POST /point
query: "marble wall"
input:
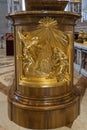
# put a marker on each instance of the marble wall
(3, 20)
(82, 24)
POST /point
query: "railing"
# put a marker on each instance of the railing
(80, 58)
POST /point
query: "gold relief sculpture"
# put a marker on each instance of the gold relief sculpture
(44, 53)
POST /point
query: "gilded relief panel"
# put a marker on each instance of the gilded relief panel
(43, 54)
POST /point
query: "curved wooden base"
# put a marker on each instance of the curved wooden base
(43, 113)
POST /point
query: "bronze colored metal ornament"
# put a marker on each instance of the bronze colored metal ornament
(80, 36)
(85, 39)
(43, 96)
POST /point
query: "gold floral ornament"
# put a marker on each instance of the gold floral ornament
(44, 53)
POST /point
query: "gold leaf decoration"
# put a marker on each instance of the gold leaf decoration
(45, 52)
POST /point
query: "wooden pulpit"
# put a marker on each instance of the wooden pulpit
(43, 95)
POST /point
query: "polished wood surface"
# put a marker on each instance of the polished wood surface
(45, 5)
(9, 48)
(36, 106)
(43, 108)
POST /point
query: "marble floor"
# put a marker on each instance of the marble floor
(6, 80)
